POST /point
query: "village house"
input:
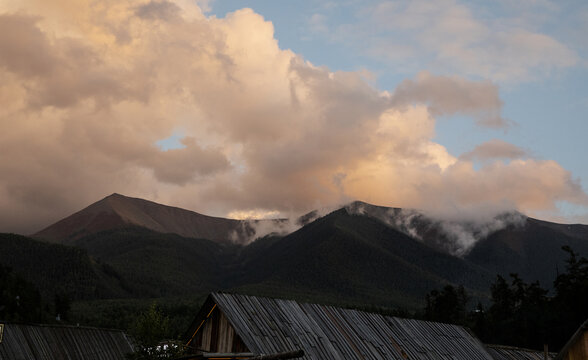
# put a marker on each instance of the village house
(238, 326)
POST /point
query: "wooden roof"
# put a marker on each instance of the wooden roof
(269, 326)
(57, 342)
(501, 352)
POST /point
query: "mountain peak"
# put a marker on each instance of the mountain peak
(118, 211)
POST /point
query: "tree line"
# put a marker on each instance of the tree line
(520, 314)
(21, 301)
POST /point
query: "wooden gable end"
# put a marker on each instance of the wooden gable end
(579, 349)
(577, 346)
(215, 334)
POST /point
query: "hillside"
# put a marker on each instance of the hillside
(533, 250)
(354, 259)
(161, 265)
(58, 269)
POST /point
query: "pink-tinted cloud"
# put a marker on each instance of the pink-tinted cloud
(449, 95)
(87, 91)
(495, 149)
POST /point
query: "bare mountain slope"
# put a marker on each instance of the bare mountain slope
(117, 211)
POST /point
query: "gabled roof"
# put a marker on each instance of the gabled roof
(48, 342)
(269, 326)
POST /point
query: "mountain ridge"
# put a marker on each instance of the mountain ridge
(118, 211)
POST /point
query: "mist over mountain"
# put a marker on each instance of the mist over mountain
(451, 234)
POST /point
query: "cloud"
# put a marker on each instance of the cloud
(46, 69)
(86, 99)
(179, 166)
(494, 149)
(25, 47)
(450, 95)
(158, 10)
(317, 23)
(504, 42)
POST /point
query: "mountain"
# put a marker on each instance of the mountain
(507, 243)
(354, 259)
(118, 212)
(341, 258)
(358, 254)
(453, 236)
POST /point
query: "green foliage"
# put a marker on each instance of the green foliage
(155, 265)
(518, 315)
(150, 331)
(62, 306)
(20, 301)
(447, 305)
(122, 313)
(150, 327)
(521, 314)
(58, 269)
(571, 299)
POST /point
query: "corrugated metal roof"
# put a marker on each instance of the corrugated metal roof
(324, 332)
(55, 342)
(500, 352)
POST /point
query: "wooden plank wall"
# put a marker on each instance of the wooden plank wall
(579, 350)
(218, 335)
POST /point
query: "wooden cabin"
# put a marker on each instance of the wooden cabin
(238, 326)
(57, 342)
(577, 347)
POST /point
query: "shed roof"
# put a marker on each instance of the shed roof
(48, 342)
(269, 326)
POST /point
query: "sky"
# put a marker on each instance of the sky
(274, 108)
